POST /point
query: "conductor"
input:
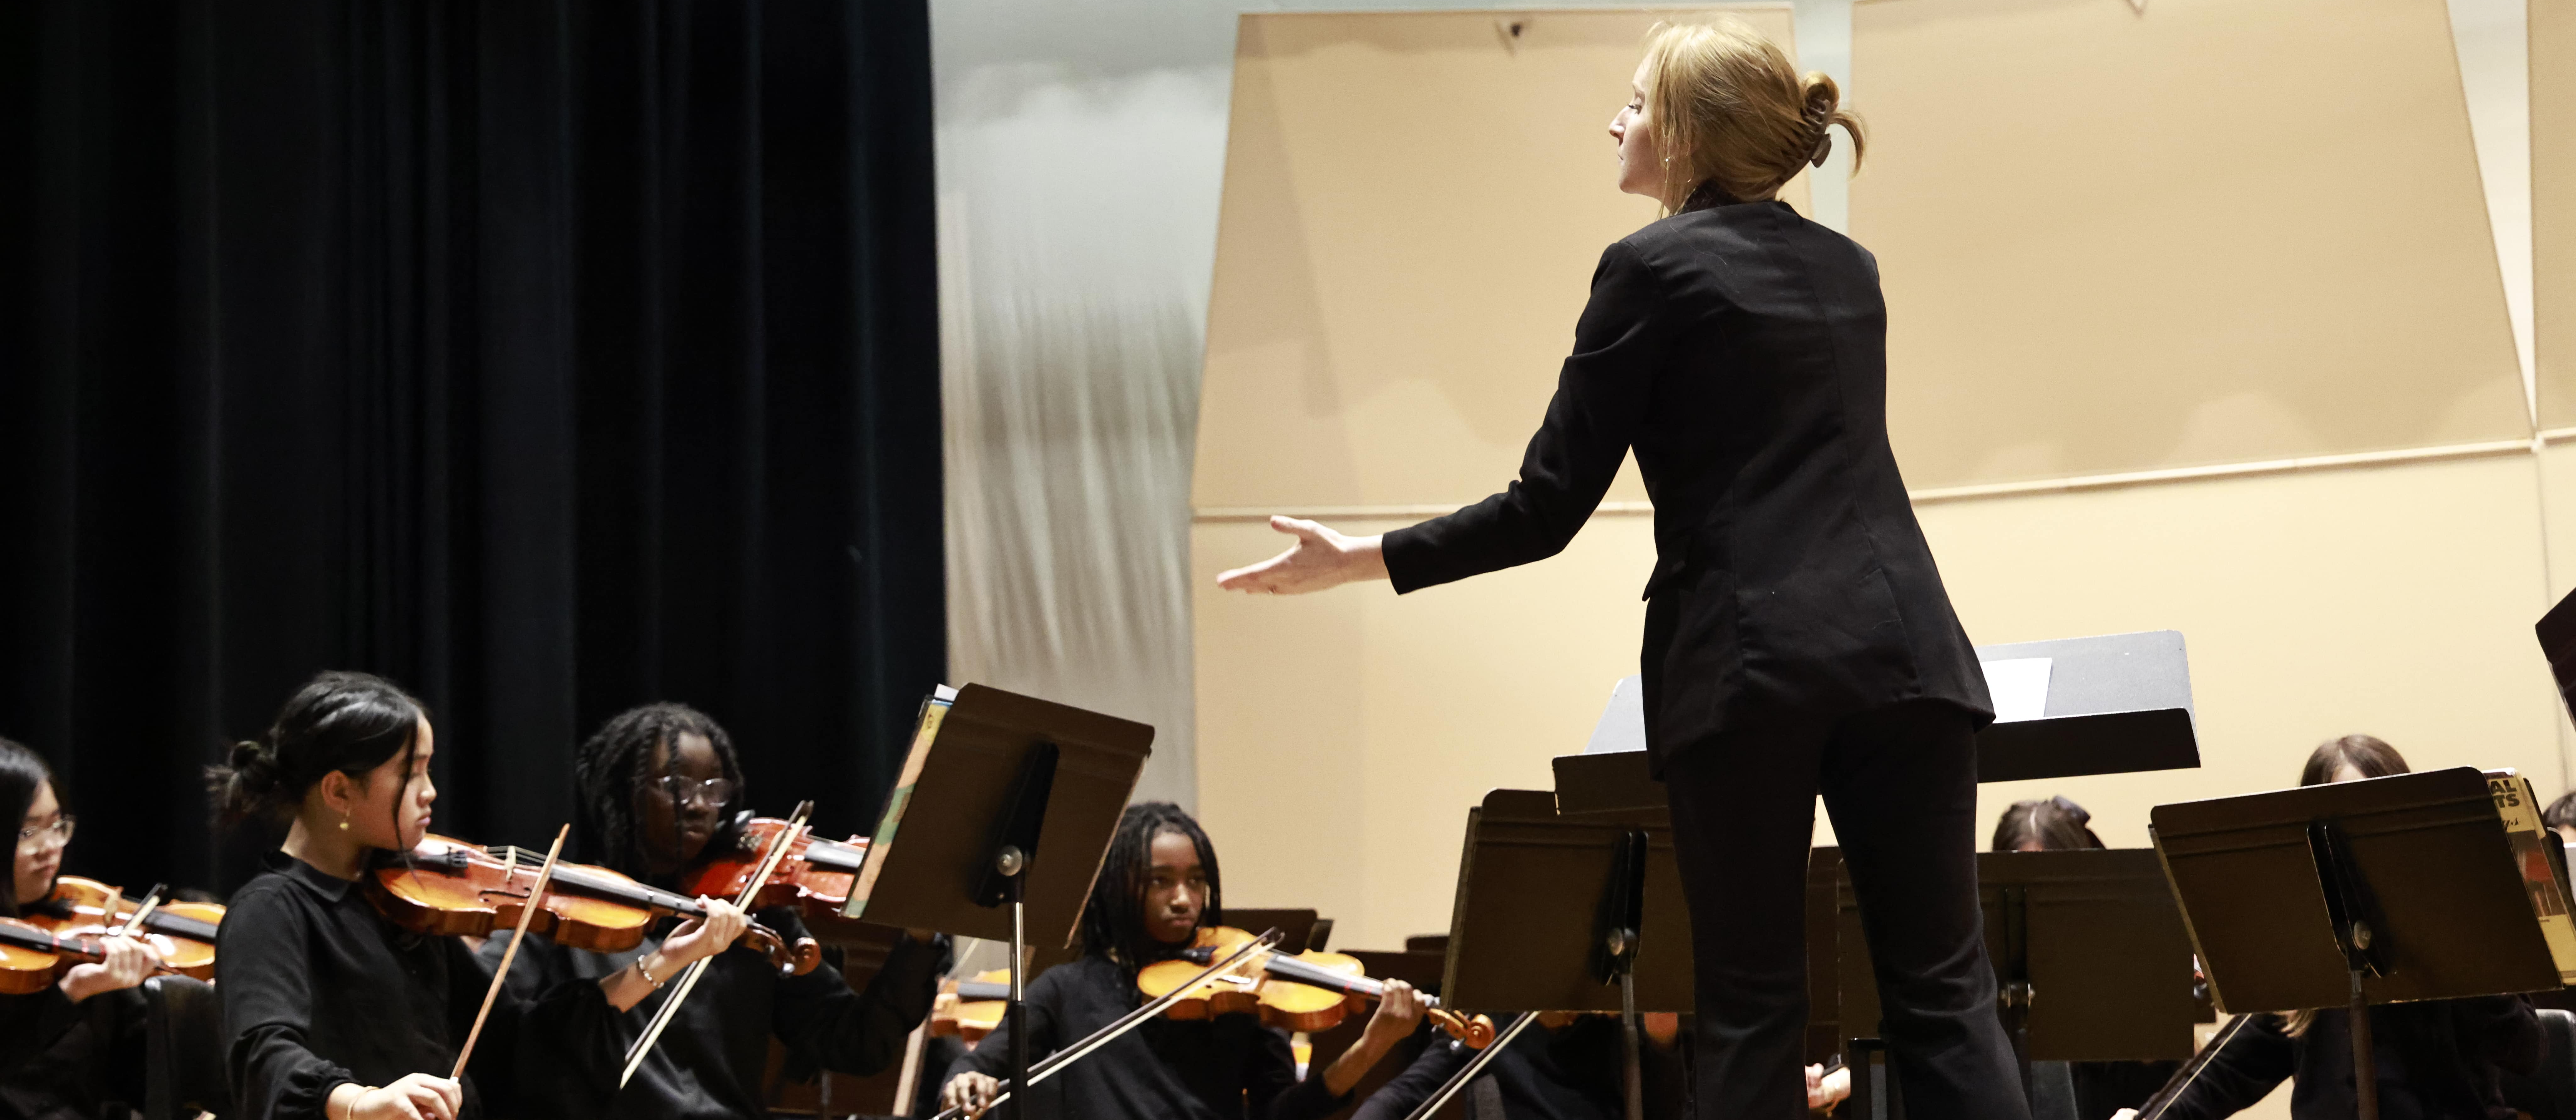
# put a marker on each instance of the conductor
(1798, 640)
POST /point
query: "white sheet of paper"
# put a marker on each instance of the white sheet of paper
(1623, 721)
(2019, 686)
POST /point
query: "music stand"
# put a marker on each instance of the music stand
(2068, 707)
(1296, 927)
(2379, 891)
(1561, 913)
(2089, 950)
(995, 781)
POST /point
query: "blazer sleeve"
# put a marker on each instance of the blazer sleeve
(1601, 398)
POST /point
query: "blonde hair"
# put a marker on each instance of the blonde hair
(1727, 109)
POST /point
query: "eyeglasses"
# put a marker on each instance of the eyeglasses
(715, 792)
(41, 837)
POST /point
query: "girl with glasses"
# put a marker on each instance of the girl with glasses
(74, 1049)
(655, 786)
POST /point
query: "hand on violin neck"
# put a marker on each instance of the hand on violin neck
(1399, 1011)
(127, 963)
(702, 937)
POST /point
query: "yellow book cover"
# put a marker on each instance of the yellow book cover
(2532, 840)
(934, 709)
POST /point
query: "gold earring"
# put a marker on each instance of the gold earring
(344, 820)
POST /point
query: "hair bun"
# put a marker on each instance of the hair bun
(253, 766)
(2072, 810)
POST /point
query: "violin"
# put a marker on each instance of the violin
(182, 933)
(815, 875)
(451, 888)
(970, 1009)
(31, 956)
(1309, 991)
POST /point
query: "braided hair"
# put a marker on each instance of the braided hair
(615, 765)
(1113, 921)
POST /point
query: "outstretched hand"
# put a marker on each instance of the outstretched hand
(1320, 559)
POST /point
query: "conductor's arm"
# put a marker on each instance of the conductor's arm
(1601, 396)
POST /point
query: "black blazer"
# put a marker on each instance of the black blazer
(1740, 350)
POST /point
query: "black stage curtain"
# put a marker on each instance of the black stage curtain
(548, 356)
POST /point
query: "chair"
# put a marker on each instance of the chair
(183, 1049)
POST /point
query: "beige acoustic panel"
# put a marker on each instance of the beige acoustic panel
(1414, 204)
(2215, 231)
(2553, 208)
(2393, 601)
(1342, 736)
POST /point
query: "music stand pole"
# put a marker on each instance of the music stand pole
(2345, 895)
(1622, 915)
(1014, 849)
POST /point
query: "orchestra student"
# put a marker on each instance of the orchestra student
(656, 784)
(331, 1012)
(1158, 886)
(74, 1049)
(1798, 639)
(2437, 1060)
(2099, 1088)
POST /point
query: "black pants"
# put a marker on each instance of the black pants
(1901, 784)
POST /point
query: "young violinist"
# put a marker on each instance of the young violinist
(655, 785)
(332, 1012)
(2097, 1088)
(1157, 887)
(1798, 640)
(75, 1048)
(2437, 1060)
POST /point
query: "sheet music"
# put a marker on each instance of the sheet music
(2019, 686)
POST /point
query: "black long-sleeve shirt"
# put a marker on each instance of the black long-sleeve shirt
(61, 1060)
(1227, 1068)
(319, 990)
(1571, 1073)
(2437, 1061)
(708, 1063)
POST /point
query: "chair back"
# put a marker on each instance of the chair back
(183, 1049)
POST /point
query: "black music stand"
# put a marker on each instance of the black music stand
(2089, 950)
(2110, 704)
(2068, 707)
(993, 780)
(2379, 891)
(1562, 913)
